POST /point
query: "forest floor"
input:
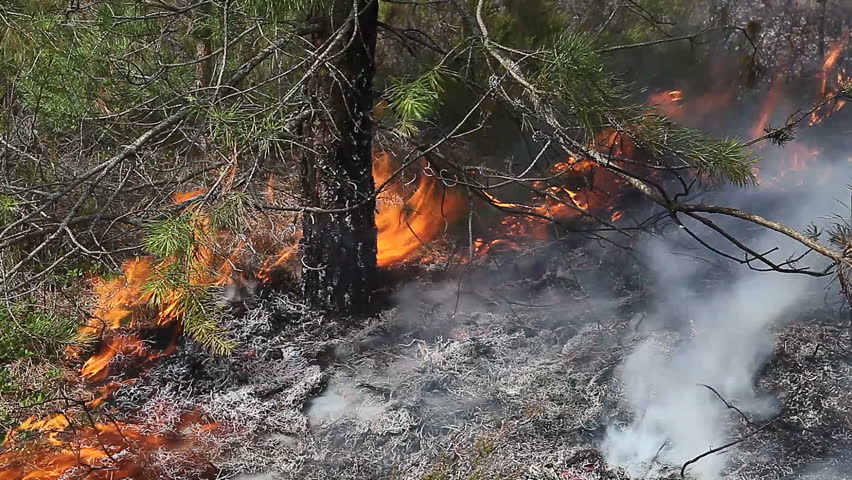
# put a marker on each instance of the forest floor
(459, 382)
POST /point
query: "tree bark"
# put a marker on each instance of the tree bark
(339, 250)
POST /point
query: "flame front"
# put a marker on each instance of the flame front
(77, 450)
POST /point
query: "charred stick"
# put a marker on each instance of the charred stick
(724, 447)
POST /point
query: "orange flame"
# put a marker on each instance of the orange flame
(282, 258)
(674, 104)
(828, 65)
(405, 225)
(96, 367)
(181, 197)
(768, 106)
(101, 451)
(669, 102)
(592, 191)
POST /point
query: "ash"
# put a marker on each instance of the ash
(463, 381)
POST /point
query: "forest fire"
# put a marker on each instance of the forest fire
(71, 449)
(127, 302)
(405, 225)
(446, 240)
(152, 292)
(593, 191)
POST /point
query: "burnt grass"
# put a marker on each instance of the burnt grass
(508, 371)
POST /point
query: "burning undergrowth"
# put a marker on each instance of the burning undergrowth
(306, 397)
(478, 379)
(571, 362)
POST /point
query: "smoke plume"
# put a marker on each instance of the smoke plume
(725, 334)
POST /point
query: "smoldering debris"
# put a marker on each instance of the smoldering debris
(458, 383)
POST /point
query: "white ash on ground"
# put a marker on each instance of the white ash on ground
(458, 390)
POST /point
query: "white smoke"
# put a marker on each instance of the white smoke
(730, 339)
(726, 337)
(342, 400)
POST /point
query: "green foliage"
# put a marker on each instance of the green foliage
(59, 87)
(230, 213)
(199, 321)
(7, 384)
(526, 24)
(8, 207)
(193, 303)
(577, 82)
(279, 10)
(229, 125)
(414, 100)
(31, 344)
(172, 237)
(26, 332)
(846, 90)
(722, 160)
(175, 241)
(166, 279)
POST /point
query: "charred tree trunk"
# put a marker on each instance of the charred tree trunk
(339, 249)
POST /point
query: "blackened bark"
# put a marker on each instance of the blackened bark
(339, 250)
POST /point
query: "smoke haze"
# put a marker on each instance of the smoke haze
(726, 335)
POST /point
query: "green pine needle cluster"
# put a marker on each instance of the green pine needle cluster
(175, 241)
(199, 321)
(579, 85)
(166, 280)
(26, 330)
(229, 125)
(194, 303)
(172, 237)
(722, 160)
(415, 100)
(230, 213)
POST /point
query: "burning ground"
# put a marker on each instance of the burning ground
(539, 355)
(465, 380)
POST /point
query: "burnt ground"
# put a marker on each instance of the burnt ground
(473, 379)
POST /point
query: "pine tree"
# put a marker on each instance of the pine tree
(339, 247)
(276, 106)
